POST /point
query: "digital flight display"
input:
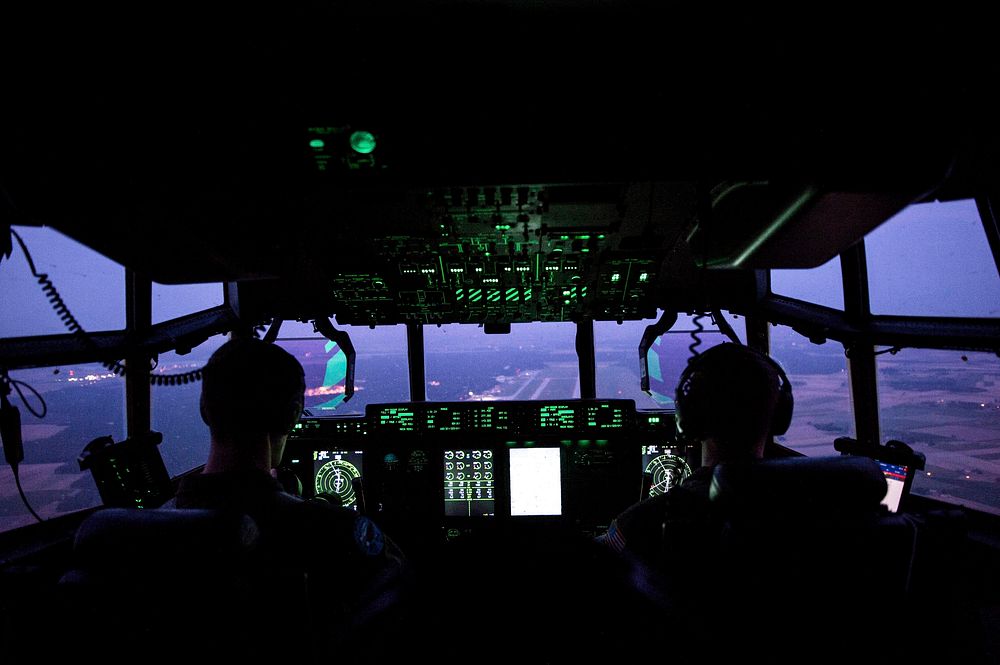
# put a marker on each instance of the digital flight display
(338, 475)
(535, 481)
(468, 482)
(895, 479)
(662, 469)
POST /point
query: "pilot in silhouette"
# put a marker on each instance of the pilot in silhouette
(252, 395)
(729, 400)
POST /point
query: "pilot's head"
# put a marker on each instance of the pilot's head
(731, 399)
(251, 390)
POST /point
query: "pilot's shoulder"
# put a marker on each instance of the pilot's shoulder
(343, 526)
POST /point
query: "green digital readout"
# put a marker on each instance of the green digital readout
(398, 418)
(557, 416)
(604, 416)
(443, 419)
(306, 425)
(488, 417)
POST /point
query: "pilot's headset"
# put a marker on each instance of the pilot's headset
(726, 378)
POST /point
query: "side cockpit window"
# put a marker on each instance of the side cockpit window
(82, 401)
(821, 285)
(818, 372)
(933, 259)
(75, 271)
(171, 301)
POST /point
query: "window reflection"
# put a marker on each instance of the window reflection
(380, 368)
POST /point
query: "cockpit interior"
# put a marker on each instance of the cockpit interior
(551, 179)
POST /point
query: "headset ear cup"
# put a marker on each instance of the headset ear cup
(687, 421)
(782, 418)
(681, 424)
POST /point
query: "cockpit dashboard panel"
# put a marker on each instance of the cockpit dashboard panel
(473, 464)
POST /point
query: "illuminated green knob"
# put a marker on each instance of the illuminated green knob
(363, 142)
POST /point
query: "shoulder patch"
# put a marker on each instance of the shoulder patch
(368, 537)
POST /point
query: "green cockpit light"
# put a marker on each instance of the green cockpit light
(362, 142)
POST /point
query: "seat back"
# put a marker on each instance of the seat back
(808, 553)
(114, 542)
(170, 583)
(785, 561)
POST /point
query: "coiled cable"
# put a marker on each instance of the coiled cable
(69, 321)
(695, 336)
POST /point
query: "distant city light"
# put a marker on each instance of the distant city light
(328, 390)
(91, 378)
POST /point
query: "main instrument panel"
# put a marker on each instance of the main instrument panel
(456, 466)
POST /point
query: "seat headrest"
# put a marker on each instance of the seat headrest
(833, 485)
(113, 537)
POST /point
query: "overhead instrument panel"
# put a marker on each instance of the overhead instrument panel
(493, 253)
(503, 254)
